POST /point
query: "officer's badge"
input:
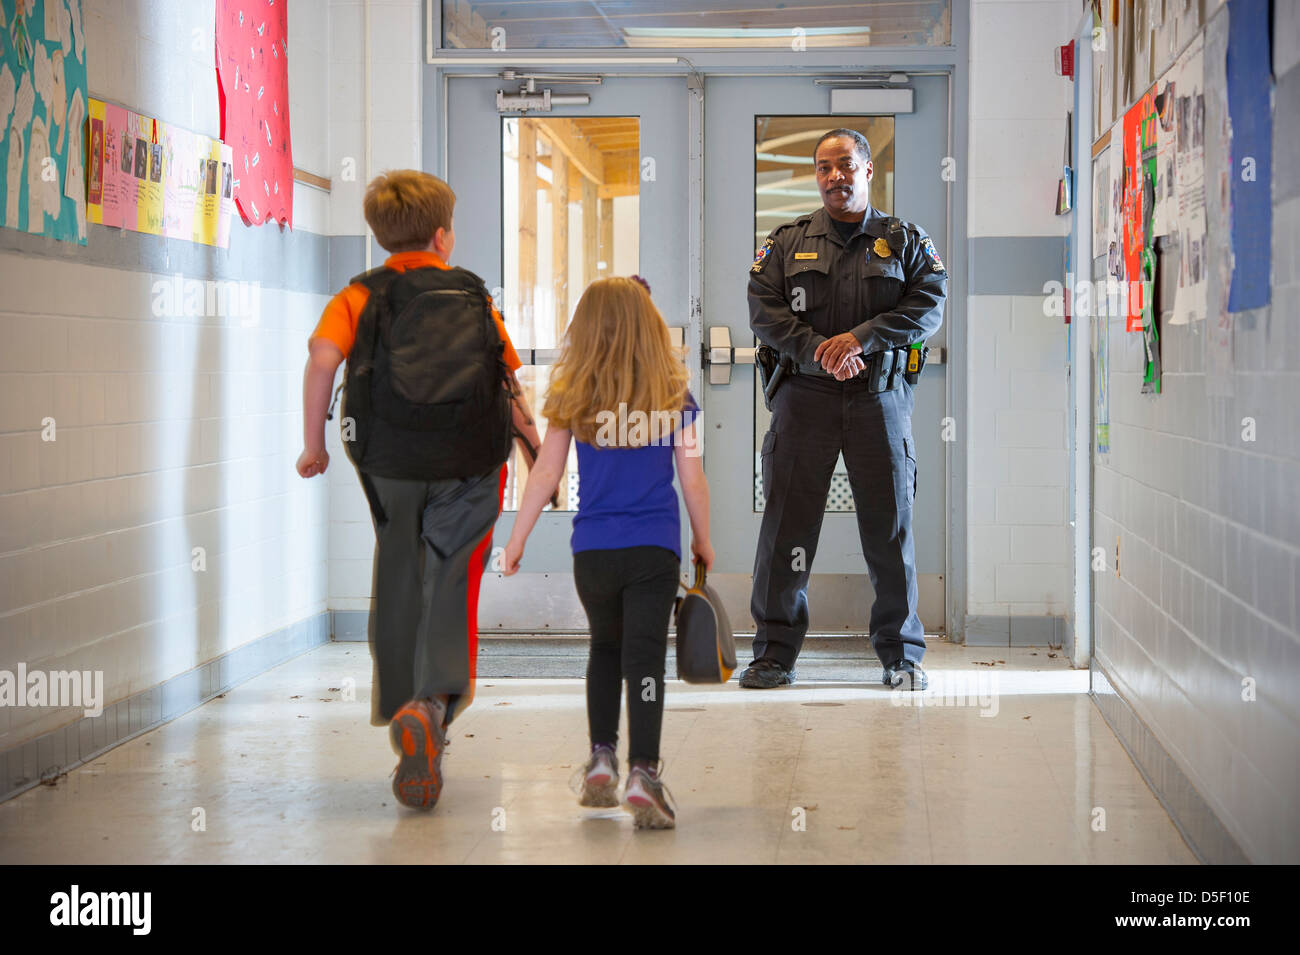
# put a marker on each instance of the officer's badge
(881, 248)
(761, 257)
(927, 246)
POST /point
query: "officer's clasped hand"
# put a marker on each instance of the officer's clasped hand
(836, 353)
(850, 369)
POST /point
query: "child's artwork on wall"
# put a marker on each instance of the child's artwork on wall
(1185, 85)
(42, 118)
(1140, 124)
(157, 178)
(253, 90)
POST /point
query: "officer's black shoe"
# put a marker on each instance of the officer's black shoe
(766, 673)
(905, 675)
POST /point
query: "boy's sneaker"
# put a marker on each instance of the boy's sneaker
(596, 783)
(647, 799)
(419, 739)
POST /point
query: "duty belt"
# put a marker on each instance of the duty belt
(883, 370)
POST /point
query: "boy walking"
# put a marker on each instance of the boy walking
(431, 401)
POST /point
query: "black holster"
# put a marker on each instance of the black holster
(772, 369)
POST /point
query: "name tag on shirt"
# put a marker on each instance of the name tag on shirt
(805, 255)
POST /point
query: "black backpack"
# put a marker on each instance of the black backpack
(425, 391)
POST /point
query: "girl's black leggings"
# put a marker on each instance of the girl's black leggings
(628, 595)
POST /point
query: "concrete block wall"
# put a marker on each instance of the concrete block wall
(1018, 579)
(1208, 529)
(172, 433)
(396, 60)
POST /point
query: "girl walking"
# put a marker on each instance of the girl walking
(619, 390)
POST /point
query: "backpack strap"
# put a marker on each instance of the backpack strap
(376, 309)
(368, 278)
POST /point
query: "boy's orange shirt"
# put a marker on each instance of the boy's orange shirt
(338, 323)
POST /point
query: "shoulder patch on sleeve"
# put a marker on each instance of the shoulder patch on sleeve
(760, 259)
(931, 253)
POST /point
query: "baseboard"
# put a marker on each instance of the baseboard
(982, 630)
(1204, 834)
(51, 754)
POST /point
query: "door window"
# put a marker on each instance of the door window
(570, 215)
(654, 24)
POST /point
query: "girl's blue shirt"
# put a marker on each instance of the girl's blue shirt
(626, 496)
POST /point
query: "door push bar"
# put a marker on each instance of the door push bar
(719, 355)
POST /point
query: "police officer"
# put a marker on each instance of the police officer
(841, 294)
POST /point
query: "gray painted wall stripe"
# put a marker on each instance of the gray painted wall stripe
(347, 258)
(1015, 264)
(292, 260)
(998, 631)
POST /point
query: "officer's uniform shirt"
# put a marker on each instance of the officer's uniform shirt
(885, 285)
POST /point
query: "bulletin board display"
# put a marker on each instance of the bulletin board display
(157, 178)
(42, 118)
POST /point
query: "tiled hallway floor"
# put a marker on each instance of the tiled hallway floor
(285, 770)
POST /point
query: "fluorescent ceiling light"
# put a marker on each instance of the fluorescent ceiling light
(776, 157)
(744, 38)
(733, 33)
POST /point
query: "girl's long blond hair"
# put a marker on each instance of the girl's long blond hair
(616, 352)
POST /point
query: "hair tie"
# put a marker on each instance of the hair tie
(642, 282)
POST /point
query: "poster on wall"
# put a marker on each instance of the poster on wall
(1186, 87)
(1218, 211)
(157, 178)
(42, 118)
(1103, 67)
(1115, 241)
(1101, 203)
(253, 95)
(1165, 203)
(1250, 92)
(1139, 141)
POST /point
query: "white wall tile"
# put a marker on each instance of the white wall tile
(98, 526)
(1033, 582)
(1030, 505)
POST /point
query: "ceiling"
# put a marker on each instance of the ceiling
(605, 150)
(742, 24)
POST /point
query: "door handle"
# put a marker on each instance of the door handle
(719, 355)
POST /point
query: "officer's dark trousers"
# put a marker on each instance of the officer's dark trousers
(813, 421)
(432, 542)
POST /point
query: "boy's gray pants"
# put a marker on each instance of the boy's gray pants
(433, 540)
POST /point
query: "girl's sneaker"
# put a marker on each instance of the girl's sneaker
(596, 783)
(648, 799)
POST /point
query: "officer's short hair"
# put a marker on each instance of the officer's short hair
(863, 148)
(406, 207)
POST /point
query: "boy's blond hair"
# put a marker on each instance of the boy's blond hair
(406, 207)
(616, 351)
